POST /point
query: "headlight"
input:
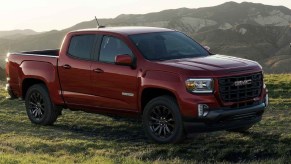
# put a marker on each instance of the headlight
(199, 85)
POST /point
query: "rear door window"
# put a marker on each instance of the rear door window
(81, 46)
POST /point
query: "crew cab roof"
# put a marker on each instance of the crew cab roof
(127, 30)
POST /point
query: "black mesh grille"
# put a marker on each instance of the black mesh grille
(240, 88)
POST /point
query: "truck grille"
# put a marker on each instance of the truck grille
(240, 88)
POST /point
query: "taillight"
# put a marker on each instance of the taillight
(7, 56)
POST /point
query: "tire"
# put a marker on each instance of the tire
(241, 129)
(162, 120)
(39, 108)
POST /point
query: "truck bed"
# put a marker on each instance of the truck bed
(48, 56)
(41, 65)
(54, 52)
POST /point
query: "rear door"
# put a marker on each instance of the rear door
(114, 86)
(75, 68)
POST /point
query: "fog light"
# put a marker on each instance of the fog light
(203, 110)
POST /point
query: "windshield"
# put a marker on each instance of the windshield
(167, 46)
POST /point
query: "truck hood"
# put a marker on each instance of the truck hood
(216, 64)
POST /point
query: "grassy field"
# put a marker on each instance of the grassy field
(2, 74)
(79, 137)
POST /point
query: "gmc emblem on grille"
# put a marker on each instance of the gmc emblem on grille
(242, 82)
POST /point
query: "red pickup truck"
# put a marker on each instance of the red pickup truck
(162, 76)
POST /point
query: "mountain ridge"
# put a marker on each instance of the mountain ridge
(15, 33)
(249, 30)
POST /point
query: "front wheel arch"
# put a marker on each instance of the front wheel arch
(149, 94)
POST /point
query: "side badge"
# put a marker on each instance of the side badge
(127, 94)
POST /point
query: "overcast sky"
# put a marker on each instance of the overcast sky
(43, 15)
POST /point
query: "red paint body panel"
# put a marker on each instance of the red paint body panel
(21, 67)
(118, 89)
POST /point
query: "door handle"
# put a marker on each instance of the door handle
(67, 66)
(98, 70)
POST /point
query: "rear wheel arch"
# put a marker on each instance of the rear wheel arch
(29, 82)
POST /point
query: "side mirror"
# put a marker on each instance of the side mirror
(123, 60)
(207, 48)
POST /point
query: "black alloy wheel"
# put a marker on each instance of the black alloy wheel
(39, 107)
(36, 105)
(162, 121)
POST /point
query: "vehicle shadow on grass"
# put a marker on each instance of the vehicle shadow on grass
(210, 147)
(129, 131)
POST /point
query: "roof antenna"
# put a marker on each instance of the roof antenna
(98, 25)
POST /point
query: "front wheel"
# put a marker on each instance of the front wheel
(162, 121)
(39, 107)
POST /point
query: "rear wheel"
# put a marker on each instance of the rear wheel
(162, 121)
(39, 107)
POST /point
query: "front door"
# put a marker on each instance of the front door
(114, 86)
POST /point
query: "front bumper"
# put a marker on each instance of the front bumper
(224, 119)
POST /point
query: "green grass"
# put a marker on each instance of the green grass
(79, 137)
(2, 74)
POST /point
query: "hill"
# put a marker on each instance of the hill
(266, 44)
(16, 33)
(250, 30)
